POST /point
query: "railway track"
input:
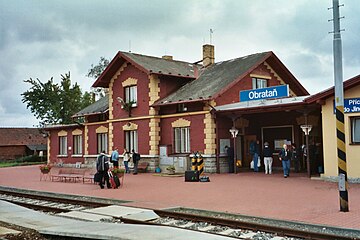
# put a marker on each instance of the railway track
(235, 226)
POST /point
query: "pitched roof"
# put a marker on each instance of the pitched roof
(348, 84)
(215, 78)
(147, 64)
(222, 76)
(100, 106)
(21, 136)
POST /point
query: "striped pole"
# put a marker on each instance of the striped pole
(200, 164)
(194, 162)
(339, 105)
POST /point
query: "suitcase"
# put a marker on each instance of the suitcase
(191, 176)
(117, 181)
(114, 180)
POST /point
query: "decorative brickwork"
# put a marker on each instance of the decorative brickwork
(209, 130)
(130, 127)
(180, 123)
(86, 140)
(111, 91)
(154, 123)
(278, 78)
(76, 132)
(129, 82)
(102, 129)
(62, 133)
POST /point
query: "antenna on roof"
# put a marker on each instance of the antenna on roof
(211, 33)
(129, 45)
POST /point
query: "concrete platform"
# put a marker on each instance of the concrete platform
(296, 198)
(55, 225)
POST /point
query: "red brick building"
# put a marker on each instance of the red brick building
(20, 142)
(167, 109)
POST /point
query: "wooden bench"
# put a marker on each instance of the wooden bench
(89, 176)
(68, 174)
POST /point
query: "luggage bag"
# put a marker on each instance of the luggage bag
(191, 176)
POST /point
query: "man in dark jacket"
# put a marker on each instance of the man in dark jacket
(102, 166)
(268, 160)
(136, 159)
(230, 154)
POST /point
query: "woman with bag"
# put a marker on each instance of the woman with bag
(268, 160)
(126, 159)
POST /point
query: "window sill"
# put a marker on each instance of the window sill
(354, 144)
(77, 155)
(63, 156)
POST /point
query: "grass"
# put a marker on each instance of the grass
(15, 164)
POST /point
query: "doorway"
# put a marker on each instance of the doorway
(246, 153)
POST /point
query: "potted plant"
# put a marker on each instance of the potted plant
(45, 168)
(118, 171)
(171, 169)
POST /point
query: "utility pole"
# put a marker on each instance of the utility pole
(339, 105)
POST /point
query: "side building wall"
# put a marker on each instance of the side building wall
(330, 140)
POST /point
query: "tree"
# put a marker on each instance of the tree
(95, 72)
(55, 103)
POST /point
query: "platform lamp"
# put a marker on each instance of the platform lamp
(234, 132)
(306, 129)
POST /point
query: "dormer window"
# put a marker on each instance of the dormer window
(131, 95)
(259, 83)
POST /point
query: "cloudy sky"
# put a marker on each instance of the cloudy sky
(43, 39)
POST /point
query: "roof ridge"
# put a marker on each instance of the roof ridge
(159, 58)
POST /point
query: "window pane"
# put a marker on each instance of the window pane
(77, 144)
(63, 145)
(355, 130)
(254, 84)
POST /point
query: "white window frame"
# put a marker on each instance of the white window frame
(63, 145)
(182, 140)
(102, 142)
(131, 140)
(77, 144)
(258, 83)
(131, 95)
(355, 130)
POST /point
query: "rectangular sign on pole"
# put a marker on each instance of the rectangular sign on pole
(264, 93)
(351, 105)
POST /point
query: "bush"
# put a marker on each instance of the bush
(31, 158)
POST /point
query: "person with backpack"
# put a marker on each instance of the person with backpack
(136, 159)
(102, 167)
(115, 158)
(255, 153)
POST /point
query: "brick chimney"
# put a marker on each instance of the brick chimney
(208, 55)
(167, 57)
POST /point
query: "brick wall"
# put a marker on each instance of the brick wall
(12, 152)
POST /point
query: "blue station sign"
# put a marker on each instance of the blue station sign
(264, 93)
(351, 105)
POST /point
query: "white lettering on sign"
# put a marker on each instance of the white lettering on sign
(265, 94)
(354, 102)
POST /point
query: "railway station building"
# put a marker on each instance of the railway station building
(167, 109)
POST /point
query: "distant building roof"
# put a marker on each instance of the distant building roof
(21, 136)
(98, 107)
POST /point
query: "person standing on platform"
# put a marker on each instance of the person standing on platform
(268, 160)
(126, 159)
(255, 152)
(284, 157)
(136, 159)
(102, 166)
(115, 158)
(230, 154)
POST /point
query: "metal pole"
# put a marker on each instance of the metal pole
(235, 170)
(307, 148)
(339, 104)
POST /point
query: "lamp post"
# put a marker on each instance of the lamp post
(306, 129)
(234, 132)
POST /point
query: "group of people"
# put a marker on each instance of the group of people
(286, 154)
(103, 164)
